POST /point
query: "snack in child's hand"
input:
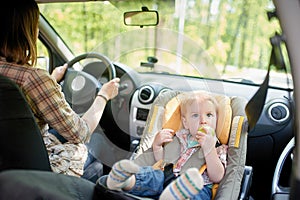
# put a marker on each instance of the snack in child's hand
(205, 129)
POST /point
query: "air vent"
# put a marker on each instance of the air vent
(146, 94)
(279, 112)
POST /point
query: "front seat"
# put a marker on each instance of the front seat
(25, 171)
(21, 143)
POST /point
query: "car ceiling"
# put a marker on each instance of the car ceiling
(54, 1)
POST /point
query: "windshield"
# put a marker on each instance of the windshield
(208, 38)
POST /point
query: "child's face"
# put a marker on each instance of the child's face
(198, 114)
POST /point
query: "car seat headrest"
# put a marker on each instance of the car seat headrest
(172, 117)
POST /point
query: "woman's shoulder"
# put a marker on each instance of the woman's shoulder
(21, 73)
(40, 73)
(40, 78)
(36, 71)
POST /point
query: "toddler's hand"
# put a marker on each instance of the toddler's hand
(163, 136)
(206, 138)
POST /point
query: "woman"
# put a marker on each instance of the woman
(18, 56)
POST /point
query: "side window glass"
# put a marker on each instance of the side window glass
(42, 56)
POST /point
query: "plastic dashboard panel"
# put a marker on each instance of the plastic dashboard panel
(276, 115)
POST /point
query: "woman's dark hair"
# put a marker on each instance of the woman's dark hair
(19, 31)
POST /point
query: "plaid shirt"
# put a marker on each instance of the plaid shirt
(49, 107)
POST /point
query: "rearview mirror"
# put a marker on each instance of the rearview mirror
(141, 18)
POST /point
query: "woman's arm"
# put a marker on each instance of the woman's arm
(50, 107)
(108, 91)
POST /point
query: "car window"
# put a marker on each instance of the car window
(43, 56)
(213, 39)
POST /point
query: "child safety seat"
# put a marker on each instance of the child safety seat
(231, 129)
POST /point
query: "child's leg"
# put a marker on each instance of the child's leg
(148, 183)
(120, 175)
(205, 193)
(141, 181)
(187, 185)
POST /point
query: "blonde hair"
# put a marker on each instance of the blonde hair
(19, 31)
(187, 98)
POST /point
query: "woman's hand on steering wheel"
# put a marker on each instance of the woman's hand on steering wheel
(59, 72)
(110, 89)
(80, 87)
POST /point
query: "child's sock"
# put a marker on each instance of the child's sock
(188, 184)
(120, 174)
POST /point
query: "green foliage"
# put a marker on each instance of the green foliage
(234, 32)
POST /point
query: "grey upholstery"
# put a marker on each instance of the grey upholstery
(34, 184)
(231, 184)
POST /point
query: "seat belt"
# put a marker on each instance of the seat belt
(255, 105)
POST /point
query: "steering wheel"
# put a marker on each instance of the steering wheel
(278, 191)
(79, 87)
